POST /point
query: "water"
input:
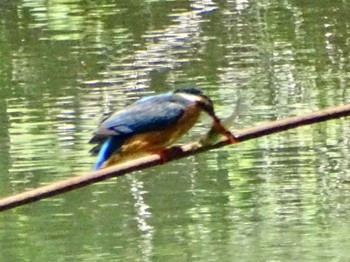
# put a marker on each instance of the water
(284, 197)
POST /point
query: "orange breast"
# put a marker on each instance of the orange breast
(156, 140)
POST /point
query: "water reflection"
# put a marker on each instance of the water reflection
(44, 139)
(67, 63)
(143, 213)
(61, 19)
(162, 50)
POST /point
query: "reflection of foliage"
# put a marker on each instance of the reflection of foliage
(285, 56)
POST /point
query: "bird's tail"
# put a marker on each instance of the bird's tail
(110, 146)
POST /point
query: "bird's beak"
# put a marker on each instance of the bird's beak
(219, 128)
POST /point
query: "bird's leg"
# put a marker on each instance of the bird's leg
(166, 154)
(162, 153)
(218, 127)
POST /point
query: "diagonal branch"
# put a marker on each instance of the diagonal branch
(173, 153)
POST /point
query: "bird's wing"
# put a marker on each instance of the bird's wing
(144, 116)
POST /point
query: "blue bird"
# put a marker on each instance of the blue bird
(150, 125)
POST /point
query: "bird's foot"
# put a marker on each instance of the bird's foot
(162, 153)
(167, 154)
(231, 137)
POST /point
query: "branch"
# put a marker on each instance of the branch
(173, 153)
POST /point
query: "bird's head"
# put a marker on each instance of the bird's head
(197, 96)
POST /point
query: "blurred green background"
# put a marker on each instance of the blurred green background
(66, 63)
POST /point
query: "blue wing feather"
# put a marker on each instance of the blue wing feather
(147, 114)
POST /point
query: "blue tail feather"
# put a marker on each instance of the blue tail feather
(111, 145)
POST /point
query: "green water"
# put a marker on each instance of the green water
(283, 197)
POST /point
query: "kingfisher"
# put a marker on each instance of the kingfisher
(152, 124)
